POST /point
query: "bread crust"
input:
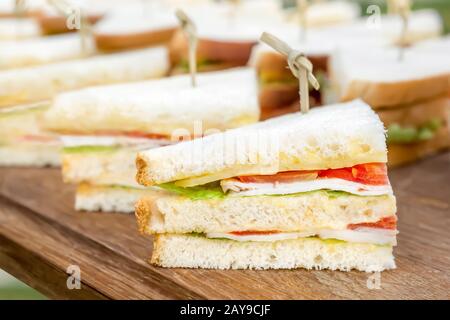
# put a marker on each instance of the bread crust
(57, 24)
(381, 95)
(417, 114)
(113, 42)
(236, 53)
(143, 213)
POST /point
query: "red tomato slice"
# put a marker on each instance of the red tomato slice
(39, 138)
(369, 174)
(384, 223)
(253, 232)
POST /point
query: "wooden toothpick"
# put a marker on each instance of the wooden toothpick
(403, 8)
(85, 32)
(19, 8)
(302, 6)
(233, 9)
(19, 12)
(299, 65)
(190, 31)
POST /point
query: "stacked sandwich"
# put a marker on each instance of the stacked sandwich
(279, 88)
(103, 128)
(302, 190)
(25, 93)
(227, 34)
(410, 96)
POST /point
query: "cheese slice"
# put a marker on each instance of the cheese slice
(236, 187)
(360, 235)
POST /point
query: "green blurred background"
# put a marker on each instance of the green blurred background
(12, 289)
(443, 6)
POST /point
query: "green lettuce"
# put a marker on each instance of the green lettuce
(204, 192)
(402, 135)
(184, 64)
(214, 191)
(82, 149)
(22, 111)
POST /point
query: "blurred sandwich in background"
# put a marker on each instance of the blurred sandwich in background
(411, 96)
(103, 128)
(26, 93)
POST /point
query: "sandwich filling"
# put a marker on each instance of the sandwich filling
(364, 179)
(110, 141)
(368, 179)
(398, 134)
(382, 232)
(20, 126)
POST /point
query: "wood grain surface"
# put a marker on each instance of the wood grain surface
(41, 235)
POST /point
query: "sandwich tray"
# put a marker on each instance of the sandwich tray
(43, 240)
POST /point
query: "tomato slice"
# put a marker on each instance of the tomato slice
(384, 223)
(39, 138)
(253, 233)
(368, 173)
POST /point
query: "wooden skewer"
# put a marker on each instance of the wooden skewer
(82, 22)
(19, 8)
(302, 6)
(190, 31)
(403, 8)
(19, 11)
(299, 65)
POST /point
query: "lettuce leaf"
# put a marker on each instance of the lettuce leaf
(81, 149)
(214, 191)
(204, 192)
(402, 135)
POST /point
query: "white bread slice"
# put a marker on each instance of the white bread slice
(191, 251)
(131, 20)
(18, 29)
(334, 136)
(41, 50)
(33, 7)
(168, 213)
(22, 120)
(417, 114)
(221, 100)
(109, 167)
(422, 24)
(130, 27)
(381, 80)
(43, 82)
(435, 46)
(38, 155)
(387, 29)
(108, 198)
(226, 23)
(324, 14)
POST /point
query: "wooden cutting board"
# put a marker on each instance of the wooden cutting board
(41, 236)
